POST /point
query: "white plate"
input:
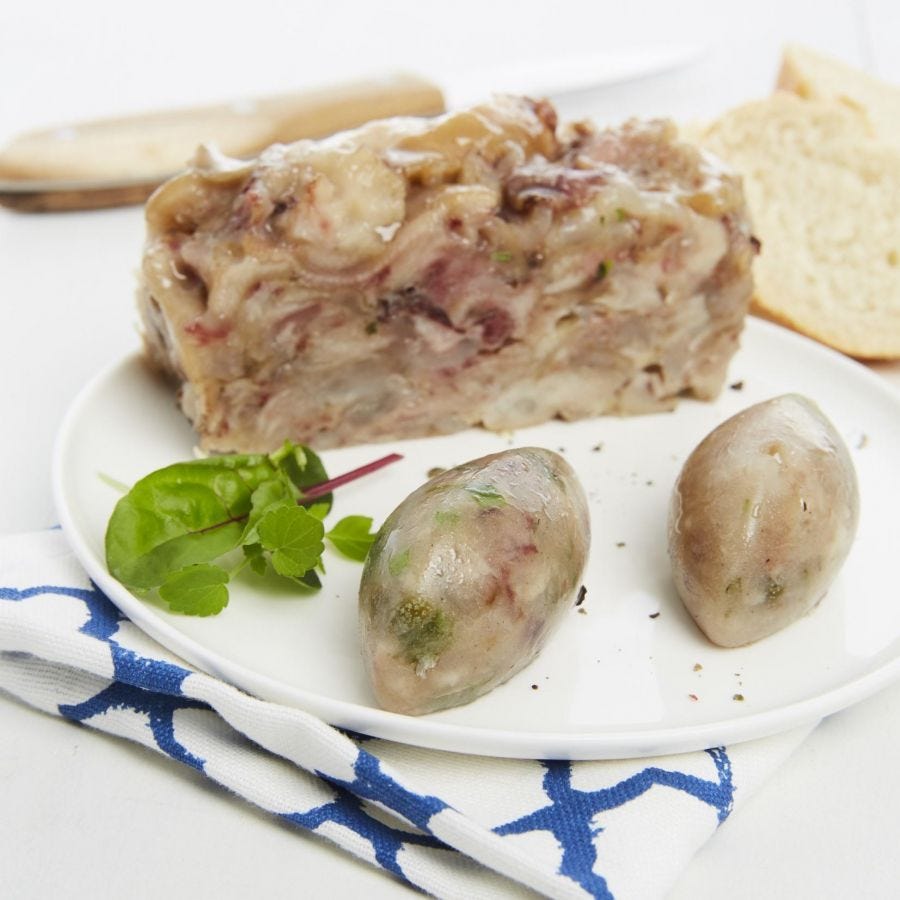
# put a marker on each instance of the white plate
(616, 680)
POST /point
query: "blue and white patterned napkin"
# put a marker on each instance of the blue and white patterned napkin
(451, 825)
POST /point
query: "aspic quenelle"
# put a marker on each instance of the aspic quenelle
(762, 517)
(469, 576)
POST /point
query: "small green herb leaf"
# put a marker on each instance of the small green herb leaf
(256, 557)
(175, 522)
(502, 256)
(353, 536)
(603, 269)
(398, 562)
(304, 468)
(423, 631)
(319, 510)
(294, 538)
(272, 494)
(446, 517)
(198, 590)
(487, 496)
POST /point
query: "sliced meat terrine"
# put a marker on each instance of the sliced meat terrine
(419, 276)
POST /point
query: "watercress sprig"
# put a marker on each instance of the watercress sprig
(171, 528)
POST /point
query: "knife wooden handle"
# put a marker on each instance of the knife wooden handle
(149, 148)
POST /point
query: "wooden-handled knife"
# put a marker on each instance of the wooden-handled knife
(113, 162)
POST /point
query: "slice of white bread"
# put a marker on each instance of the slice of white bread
(824, 196)
(815, 76)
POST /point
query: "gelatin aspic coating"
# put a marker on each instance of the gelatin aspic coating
(420, 276)
(469, 577)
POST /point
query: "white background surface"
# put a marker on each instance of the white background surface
(83, 815)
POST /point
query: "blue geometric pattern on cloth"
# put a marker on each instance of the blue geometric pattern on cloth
(8, 593)
(148, 686)
(570, 812)
(159, 708)
(153, 688)
(371, 783)
(103, 622)
(347, 810)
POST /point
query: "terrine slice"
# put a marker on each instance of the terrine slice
(420, 276)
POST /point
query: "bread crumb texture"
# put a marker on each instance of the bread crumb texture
(820, 160)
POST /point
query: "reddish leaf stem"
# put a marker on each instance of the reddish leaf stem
(326, 487)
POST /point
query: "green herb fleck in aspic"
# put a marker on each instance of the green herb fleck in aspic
(170, 531)
(446, 516)
(398, 562)
(423, 630)
(502, 256)
(486, 495)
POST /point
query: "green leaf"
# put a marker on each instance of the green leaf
(487, 496)
(294, 538)
(198, 590)
(257, 558)
(194, 512)
(319, 510)
(167, 531)
(183, 514)
(271, 494)
(304, 468)
(353, 536)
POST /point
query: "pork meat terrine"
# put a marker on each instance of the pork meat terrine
(420, 276)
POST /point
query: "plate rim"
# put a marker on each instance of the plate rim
(458, 737)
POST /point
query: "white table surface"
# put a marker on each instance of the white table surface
(85, 815)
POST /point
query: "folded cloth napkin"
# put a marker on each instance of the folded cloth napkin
(448, 824)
